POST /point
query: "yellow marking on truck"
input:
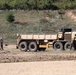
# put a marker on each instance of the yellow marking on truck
(43, 46)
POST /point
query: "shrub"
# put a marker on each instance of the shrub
(10, 17)
(6, 6)
(38, 4)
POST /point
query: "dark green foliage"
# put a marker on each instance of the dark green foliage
(38, 4)
(10, 17)
(65, 4)
(6, 6)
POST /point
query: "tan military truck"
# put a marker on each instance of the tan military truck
(63, 40)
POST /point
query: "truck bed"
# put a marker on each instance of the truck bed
(39, 36)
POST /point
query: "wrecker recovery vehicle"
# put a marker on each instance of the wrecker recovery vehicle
(65, 39)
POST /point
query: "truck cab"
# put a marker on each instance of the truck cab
(65, 34)
(65, 38)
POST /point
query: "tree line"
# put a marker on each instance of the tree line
(37, 4)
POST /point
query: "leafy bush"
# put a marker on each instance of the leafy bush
(65, 4)
(38, 4)
(0, 6)
(6, 6)
(10, 17)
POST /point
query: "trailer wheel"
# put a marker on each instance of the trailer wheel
(23, 46)
(68, 46)
(33, 46)
(58, 46)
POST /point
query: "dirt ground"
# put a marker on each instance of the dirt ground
(39, 68)
(11, 54)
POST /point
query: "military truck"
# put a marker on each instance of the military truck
(65, 39)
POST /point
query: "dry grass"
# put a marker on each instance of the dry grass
(33, 22)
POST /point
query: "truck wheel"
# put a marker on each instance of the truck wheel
(74, 44)
(68, 46)
(23, 46)
(33, 47)
(58, 46)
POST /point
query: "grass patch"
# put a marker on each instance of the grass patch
(32, 22)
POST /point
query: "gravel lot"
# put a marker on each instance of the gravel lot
(39, 68)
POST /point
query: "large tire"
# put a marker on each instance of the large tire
(58, 46)
(23, 46)
(74, 44)
(33, 47)
(68, 46)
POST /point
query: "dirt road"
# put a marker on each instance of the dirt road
(11, 54)
(39, 68)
